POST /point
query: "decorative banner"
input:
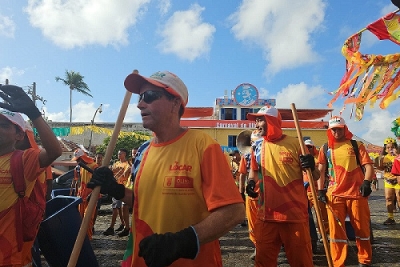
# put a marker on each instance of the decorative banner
(100, 130)
(370, 78)
(65, 131)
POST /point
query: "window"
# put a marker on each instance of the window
(228, 114)
(245, 111)
(232, 140)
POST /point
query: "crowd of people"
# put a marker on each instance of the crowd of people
(179, 187)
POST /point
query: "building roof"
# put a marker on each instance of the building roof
(304, 114)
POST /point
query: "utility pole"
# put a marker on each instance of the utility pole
(32, 92)
(6, 81)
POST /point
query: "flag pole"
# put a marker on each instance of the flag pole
(96, 191)
(313, 191)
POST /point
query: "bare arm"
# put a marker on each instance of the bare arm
(321, 180)
(369, 172)
(51, 147)
(219, 222)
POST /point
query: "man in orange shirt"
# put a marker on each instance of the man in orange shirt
(184, 197)
(82, 178)
(348, 191)
(282, 216)
(34, 160)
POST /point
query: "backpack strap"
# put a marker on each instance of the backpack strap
(357, 152)
(17, 176)
(17, 173)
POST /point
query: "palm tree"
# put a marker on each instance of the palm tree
(74, 80)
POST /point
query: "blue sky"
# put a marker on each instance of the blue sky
(290, 50)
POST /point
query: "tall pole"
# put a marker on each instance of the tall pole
(96, 191)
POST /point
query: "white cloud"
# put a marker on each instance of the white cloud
(281, 28)
(9, 73)
(164, 6)
(302, 95)
(7, 26)
(185, 35)
(133, 114)
(72, 23)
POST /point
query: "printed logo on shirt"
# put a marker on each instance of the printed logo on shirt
(180, 167)
(350, 151)
(285, 157)
(178, 182)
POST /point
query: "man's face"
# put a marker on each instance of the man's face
(9, 134)
(310, 149)
(338, 133)
(121, 155)
(261, 125)
(155, 108)
(99, 159)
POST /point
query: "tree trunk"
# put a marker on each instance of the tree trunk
(70, 104)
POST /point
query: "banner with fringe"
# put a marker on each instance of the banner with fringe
(100, 130)
(369, 78)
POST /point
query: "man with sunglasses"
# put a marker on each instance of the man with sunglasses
(350, 174)
(184, 197)
(282, 218)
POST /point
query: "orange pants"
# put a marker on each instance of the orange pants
(294, 236)
(358, 211)
(251, 214)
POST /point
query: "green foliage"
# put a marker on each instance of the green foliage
(126, 141)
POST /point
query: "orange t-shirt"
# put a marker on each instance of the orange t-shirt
(9, 254)
(347, 176)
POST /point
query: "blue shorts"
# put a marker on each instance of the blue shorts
(116, 204)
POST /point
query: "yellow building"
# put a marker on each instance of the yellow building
(227, 119)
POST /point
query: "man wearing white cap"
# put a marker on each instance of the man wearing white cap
(184, 197)
(282, 216)
(34, 160)
(348, 189)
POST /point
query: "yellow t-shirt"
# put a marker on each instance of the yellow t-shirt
(122, 171)
(282, 195)
(177, 185)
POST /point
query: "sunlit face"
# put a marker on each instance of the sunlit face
(155, 107)
(121, 155)
(338, 133)
(9, 134)
(390, 149)
(99, 159)
(261, 125)
(134, 151)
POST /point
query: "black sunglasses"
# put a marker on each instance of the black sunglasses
(150, 96)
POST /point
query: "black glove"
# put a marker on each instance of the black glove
(104, 177)
(250, 187)
(322, 196)
(17, 100)
(365, 188)
(307, 161)
(159, 250)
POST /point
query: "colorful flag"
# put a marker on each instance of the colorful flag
(369, 78)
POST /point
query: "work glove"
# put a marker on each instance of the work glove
(307, 161)
(250, 187)
(365, 188)
(104, 177)
(322, 196)
(17, 100)
(159, 250)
